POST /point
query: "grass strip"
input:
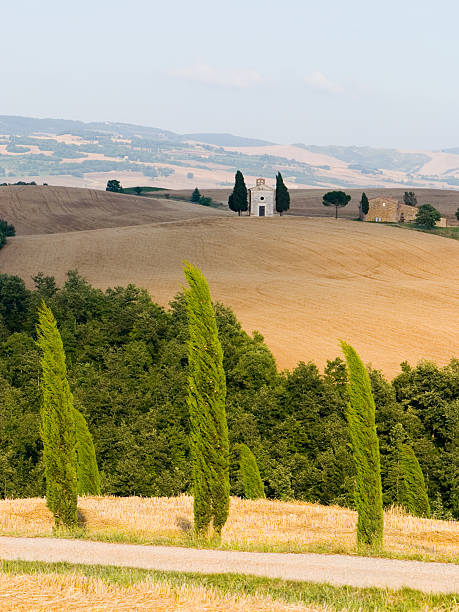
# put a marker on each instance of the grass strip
(288, 591)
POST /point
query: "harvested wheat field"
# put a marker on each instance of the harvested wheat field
(54, 592)
(303, 283)
(268, 525)
(47, 210)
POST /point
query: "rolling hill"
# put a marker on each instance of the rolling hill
(48, 210)
(303, 283)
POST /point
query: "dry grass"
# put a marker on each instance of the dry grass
(56, 592)
(303, 283)
(252, 525)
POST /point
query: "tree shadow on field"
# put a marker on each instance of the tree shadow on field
(184, 524)
(82, 519)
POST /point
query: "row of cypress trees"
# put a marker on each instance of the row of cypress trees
(209, 433)
(69, 454)
(68, 449)
(238, 202)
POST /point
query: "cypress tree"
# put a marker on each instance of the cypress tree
(406, 480)
(249, 474)
(282, 195)
(87, 471)
(195, 196)
(206, 403)
(364, 206)
(57, 424)
(237, 201)
(365, 449)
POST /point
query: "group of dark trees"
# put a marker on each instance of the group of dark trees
(197, 198)
(6, 229)
(238, 200)
(114, 186)
(128, 367)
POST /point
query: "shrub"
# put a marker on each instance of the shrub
(249, 473)
(427, 216)
(87, 470)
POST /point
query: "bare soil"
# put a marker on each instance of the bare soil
(48, 210)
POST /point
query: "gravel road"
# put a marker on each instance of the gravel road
(334, 569)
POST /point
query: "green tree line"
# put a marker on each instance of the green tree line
(128, 369)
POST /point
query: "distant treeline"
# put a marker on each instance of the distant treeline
(127, 366)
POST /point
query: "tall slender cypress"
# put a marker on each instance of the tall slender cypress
(57, 424)
(206, 403)
(87, 471)
(364, 207)
(237, 201)
(282, 195)
(365, 449)
(405, 481)
(249, 474)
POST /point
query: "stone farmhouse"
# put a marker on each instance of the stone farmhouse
(261, 199)
(389, 210)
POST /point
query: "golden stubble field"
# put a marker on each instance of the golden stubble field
(252, 525)
(303, 283)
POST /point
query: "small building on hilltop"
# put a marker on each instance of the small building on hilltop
(261, 199)
(389, 210)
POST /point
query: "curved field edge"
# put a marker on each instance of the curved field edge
(253, 526)
(231, 590)
(303, 283)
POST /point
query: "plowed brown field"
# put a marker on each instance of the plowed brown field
(303, 283)
(47, 210)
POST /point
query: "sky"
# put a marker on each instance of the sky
(318, 72)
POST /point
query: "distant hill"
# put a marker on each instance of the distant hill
(79, 154)
(228, 140)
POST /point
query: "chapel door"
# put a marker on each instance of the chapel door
(261, 211)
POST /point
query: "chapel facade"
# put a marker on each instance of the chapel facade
(261, 199)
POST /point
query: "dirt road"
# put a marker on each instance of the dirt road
(334, 569)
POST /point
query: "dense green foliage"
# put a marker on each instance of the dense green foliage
(251, 484)
(410, 199)
(6, 229)
(405, 478)
(114, 185)
(338, 199)
(206, 403)
(87, 471)
(457, 214)
(196, 195)
(364, 206)
(365, 449)
(282, 195)
(57, 423)
(237, 200)
(427, 216)
(127, 368)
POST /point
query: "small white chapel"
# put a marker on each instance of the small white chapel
(261, 199)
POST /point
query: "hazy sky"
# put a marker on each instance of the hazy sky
(318, 72)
